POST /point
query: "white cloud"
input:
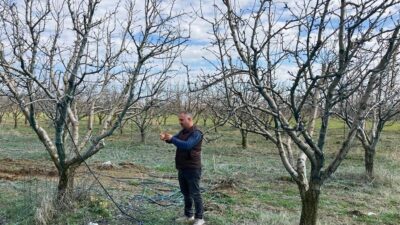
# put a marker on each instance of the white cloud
(200, 36)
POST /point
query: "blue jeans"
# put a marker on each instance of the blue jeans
(189, 182)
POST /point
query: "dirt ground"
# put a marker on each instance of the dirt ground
(23, 169)
(11, 169)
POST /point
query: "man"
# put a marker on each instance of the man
(188, 163)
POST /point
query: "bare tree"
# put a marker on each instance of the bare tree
(383, 107)
(15, 113)
(167, 107)
(213, 107)
(5, 105)
(144, 114)
(354, 41)
(189, 101)
(51, 51)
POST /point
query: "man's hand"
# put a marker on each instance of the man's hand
(164, 136)
(167, 137)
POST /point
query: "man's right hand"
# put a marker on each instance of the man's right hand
(162, 136)
(167, 137)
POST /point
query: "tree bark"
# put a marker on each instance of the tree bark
(143, 136)
(369, 163)
(215, 126)
(309, 205)
(244, 138)
(15, 121)
(65, 184)
(100, 119)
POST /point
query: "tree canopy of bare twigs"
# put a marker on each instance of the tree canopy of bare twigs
(382, 108)
(58, 56)
(300, 60)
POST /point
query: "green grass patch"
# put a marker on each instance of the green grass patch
(262, 193)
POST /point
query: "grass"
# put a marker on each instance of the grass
(240, 186)
(18, 201)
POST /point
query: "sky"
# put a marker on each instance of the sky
(198, 46)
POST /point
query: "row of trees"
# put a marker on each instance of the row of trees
(69, 60)
(54, 55)
(152, 111)
(344, 59)
(9, 109)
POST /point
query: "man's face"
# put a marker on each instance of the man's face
(185, 121)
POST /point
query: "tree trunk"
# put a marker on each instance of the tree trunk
(244, 138)
(143, 136)
(309, 205)
(100, 120)
(65, 185)
(15, 121)
(290, 151)
(369, 163)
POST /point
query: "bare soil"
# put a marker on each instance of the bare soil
(22, 169)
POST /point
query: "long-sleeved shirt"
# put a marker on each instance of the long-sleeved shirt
(187, 145)
(188, 153)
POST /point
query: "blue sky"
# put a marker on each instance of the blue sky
(200, 37)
